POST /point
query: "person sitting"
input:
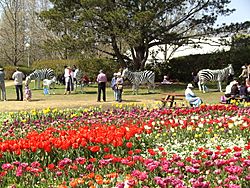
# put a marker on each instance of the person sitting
(228, 90)
(166, 80)
(191, 97)
(243, 91)
(235, 89)
(248, 85)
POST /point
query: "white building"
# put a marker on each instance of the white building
(163, 52)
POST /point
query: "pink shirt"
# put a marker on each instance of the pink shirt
(101, 78)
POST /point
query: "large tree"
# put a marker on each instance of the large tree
(21, 33)
(12, 31)
(135, 26)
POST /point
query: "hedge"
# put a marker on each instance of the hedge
(91, 66)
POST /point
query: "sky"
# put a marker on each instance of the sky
(241, 14)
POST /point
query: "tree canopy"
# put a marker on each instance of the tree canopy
(115, 27)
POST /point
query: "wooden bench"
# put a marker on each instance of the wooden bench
(172, 99)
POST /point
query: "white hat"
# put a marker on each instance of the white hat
(119, 74)
(190, 85)
(243, 67)
(115, 74)
(234, 82)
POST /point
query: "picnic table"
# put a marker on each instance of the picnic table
(172, 98)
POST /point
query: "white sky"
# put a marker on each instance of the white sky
(241, 14)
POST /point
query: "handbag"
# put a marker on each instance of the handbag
(119, 86)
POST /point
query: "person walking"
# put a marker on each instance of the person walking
(101, 80)
(113, 85)
(119, 86)
(2, 84)
(18, 77)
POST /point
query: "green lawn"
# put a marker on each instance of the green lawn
(89, 97)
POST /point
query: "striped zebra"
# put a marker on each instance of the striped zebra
(39, 75)
(219, 75)
(138, 78)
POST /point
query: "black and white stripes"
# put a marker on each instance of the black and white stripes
(138, 78)
(219, 75)
(39, 75)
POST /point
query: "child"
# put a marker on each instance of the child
(27, 92)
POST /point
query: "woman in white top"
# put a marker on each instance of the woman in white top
(191, 97)
(119, 86)
(68, 80)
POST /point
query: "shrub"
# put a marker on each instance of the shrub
(56, 65)
(90, 66)
(9, 70)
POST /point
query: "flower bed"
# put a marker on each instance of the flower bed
(126, 147)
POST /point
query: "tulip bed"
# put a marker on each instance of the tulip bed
(131, 146)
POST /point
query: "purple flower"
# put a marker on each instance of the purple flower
(246, 163)
(217, 171)
(59, 173)
(80, 160)
(105, 162)
(234, 169)
(7, 166)
(89, 167)
(247, 177)
(120, 185)
(24, 165)
(35, 164)
(17, 163)
(143, 176)
(233, 177)
(19, 171)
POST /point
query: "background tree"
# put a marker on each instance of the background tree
(12, 31)
(241, 40)
(22, 34)
(71, 38)
(138, 25)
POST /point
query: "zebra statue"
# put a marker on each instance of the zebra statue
(47, 84)
(39, 75)
(219, 75)
(138, 78)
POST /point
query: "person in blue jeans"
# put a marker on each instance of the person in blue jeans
(113, 86)
(2, 84)
(18, 77)
(119, 86)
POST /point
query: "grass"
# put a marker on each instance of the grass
(89, 97)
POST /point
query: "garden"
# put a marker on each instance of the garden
(126, 146)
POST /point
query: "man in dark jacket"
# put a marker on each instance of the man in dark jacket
(2, 84)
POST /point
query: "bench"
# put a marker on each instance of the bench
(172, 99)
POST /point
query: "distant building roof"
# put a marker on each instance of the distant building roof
(211, 45)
